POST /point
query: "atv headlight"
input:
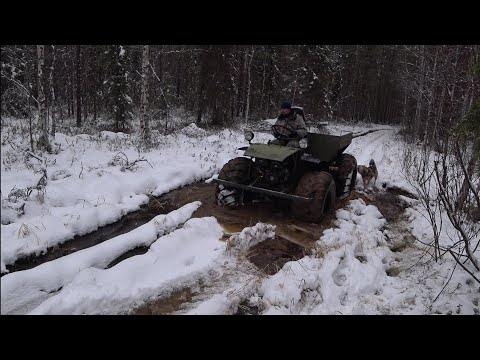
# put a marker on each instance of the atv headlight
(248, 135)
(303, 143)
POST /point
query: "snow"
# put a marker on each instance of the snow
(421, 228)
(386, 149)
(339, 281)
(352, 274)
(194, 130)
(224, 289)
(219, 304)
(176, 258)
(251, 236)
(209, 180)
(112, 135)
(21, 289)
(353, 269)
(99, 191)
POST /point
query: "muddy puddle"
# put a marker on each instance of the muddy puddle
(168, 305)
(293, 239)
(270, 255)
(125, 224)
(390, 205)
(137, 251)
(397, 191)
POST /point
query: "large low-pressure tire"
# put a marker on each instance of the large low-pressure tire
(346, 175)
(236, 170)
(320, 186)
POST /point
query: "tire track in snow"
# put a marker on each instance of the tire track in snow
(386, 150)
(370, 146)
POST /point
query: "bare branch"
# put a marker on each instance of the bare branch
(467, 175)
(448, 281)
(453, 219)
(43, 160)
(464, 268)
(161, 89)
(21, 87)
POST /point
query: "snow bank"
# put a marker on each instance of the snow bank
(251, 236)
(353, 267)
(86, 190)
(109, 135)
(174, 259)
(21, 289)
(49, 227)
(192, 130)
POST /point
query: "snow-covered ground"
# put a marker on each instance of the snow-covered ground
(91, 182)
(357, 273)
(88, 187)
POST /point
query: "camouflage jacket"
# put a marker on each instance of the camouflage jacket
(293, 121)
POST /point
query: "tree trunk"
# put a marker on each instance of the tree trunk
(144, 119)
(29, 87)
(94, 103)
(468, 174)
(72, 83)
(85, 85)
(43, 143)
(418, 114)
(236, 85)
(262, 94)
(201, 89)
(249, 84)
(79, 102)
(244, 81)
(52, 92)
(178, 79)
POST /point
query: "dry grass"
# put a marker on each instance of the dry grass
(25, 231)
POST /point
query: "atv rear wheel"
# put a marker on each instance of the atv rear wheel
(236, 170)
(346, 175)
(321, 187)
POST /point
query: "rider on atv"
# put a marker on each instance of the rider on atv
(290, 126)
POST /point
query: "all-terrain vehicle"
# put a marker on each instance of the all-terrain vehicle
(311, 177)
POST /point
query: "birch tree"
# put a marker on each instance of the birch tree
(79, 96)
(43, 143)
(249, 83)
(52, 91)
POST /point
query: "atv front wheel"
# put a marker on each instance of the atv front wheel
(346, 175)
(236, 170)
(321, 187)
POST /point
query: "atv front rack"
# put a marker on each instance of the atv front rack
(273, 193)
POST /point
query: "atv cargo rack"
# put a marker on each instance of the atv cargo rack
(326, 147)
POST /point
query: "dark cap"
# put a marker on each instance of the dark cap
(286, 105)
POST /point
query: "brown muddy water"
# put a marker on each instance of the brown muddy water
(294, 238)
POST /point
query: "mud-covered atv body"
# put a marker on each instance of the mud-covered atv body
(311, 177)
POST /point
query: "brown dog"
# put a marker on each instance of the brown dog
(368, 173)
